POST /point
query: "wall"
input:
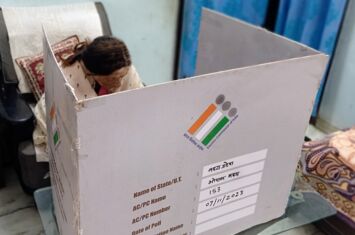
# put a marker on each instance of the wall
(148, 27)
(338, 103)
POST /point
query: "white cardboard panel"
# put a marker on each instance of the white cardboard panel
(63, 155)
(149, 147)
(140, 168)
(225, 44)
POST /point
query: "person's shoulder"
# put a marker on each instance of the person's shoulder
(134, 78)
(79, 81)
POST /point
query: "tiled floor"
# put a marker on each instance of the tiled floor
(18, 214)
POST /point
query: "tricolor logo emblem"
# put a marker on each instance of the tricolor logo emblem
(212, 122)
(55, 131)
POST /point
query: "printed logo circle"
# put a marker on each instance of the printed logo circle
(226, 105)
(232, 112)
(220, 99)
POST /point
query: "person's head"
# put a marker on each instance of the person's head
(106, 59)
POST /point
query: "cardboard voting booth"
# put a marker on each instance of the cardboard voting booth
(214, 154)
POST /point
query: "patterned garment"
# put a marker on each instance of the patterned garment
(344, 142)
(322, 168)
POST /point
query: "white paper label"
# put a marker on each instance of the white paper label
(229, 190)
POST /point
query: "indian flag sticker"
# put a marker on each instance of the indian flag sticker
(52, 112)
(55, 131)
(54, 127)
(56, 138)
(212, 122)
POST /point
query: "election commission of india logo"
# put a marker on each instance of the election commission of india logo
(212, 123)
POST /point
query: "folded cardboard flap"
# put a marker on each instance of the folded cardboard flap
(195, 156)
(227, 43)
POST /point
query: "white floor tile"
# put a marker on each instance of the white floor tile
(24, 222)
(18, 214)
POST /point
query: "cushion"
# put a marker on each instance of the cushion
(32, 66)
